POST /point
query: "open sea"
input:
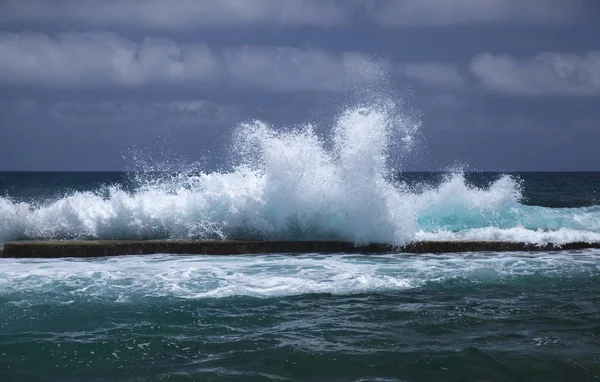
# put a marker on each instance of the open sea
(310, 317)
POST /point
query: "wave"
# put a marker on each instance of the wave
(293, 184)
(130, 278)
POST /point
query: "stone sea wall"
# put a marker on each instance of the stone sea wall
(58, 249)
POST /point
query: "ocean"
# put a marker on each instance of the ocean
(309, 317)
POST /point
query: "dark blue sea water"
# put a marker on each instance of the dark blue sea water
(313, 317)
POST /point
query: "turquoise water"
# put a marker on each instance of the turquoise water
(497, 317)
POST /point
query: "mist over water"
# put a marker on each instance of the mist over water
(294, 183)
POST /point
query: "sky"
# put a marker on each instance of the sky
(497, 85)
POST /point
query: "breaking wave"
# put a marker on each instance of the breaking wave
(294, 184)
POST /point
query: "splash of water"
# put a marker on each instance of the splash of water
(294, 184)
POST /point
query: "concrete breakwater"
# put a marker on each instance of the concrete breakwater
(65, 248)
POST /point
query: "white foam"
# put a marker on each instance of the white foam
(514, 234)
(139, 277)
(197, 277)
(287, 186)
(291, 183)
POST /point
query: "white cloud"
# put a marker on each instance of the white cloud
(434, 74)
(546, 74)
(102, 58)
(406, 13)
(199, 14)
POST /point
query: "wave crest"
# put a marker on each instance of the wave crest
(293, 184)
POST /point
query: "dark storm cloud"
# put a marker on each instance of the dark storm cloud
(500, 84)
(544, 75)
(178, 14)
(175, 113)
(409, 13)
(201, 14)
(434, 74)
(19, 106)
(103, 58)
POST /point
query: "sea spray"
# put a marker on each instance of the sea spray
(295, 184)
(288, 185)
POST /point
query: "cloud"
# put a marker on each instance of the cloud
(179, 113)
(20, 106)
(284, 68)
(546, 74)
(193, 112)
(435, 74)
(178, 14)
(201, 14)
(445, 102)
(76, 60)
(407, 13)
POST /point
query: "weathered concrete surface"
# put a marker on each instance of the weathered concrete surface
(57, 249)
(52, 249)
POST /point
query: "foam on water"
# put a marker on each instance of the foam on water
(292, 183)
(126, 279)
